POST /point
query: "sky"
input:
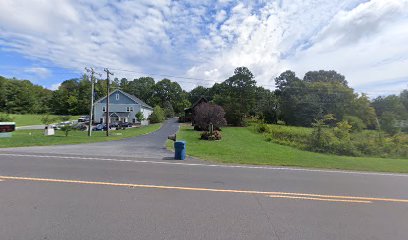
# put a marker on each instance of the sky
(202, 42)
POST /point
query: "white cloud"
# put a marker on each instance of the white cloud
(364, 40)
(39, 71)
(54, 86)
(367, 44)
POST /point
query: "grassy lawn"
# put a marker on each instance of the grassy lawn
(36, 138)
(244, 146)
(32, 119)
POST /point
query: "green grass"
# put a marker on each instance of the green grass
(32, 119)
(244, 146)
(23, 138)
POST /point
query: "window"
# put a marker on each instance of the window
(103, 109)
(134, 120)
(131, 109)
(117, 96)
(127, 109)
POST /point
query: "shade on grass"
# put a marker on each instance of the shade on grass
(36, 137)
(244, 146)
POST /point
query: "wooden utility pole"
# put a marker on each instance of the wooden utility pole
(107, 100)
(92, 71)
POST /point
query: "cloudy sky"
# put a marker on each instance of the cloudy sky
(201, 42)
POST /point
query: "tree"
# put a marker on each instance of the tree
(266, 107)
(361, 108)
(391, 104)
(404, 98)
(357, 125)
(325, 76)
(388, 123)
(142, 88)
(168, 91)
(318, 94)
(140, 117)
(237, 95)
(158, 115)
(296, 107)
(208, 113)
(168, 110)
(195, 94)
(66, 129)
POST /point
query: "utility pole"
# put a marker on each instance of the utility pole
(107, 100)
(92, 71)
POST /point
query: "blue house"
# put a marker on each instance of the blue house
(122, 108)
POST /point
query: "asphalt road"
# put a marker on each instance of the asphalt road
(81, 196)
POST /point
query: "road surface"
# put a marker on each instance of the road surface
(80, 196)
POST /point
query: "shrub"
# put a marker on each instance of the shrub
(66, 129)
(262, 128)
(216, 135)
(357, 125)
(4, 117)
(290, 136)
(168, 110)
(389, 123)
(139, 116)
(208, 113)
(158, 115)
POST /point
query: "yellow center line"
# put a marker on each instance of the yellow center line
(319, 199)
(282, 194)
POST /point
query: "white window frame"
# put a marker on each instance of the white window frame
(117, 96)
(103, 109)
(127, 109)
(131, 109)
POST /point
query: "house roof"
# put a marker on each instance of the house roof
(134, 98)
(200, 100)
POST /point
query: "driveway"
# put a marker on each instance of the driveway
(150, 146)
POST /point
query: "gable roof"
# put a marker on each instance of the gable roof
(200, 100)
(132, 97)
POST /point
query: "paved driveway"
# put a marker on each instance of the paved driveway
(147, 146)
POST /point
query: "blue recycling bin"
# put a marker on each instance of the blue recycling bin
(180, 150)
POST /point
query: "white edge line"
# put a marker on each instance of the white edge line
(208, 165)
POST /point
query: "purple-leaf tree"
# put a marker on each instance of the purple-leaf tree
(208, 113)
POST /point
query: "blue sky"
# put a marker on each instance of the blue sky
(203, 41)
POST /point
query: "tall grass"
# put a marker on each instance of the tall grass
(365, 143)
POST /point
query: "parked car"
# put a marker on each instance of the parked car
(126, 125)
(61, 124)
(80, 126)
(83, 119)
(101, 127)
(98, 127)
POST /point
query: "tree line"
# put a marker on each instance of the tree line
(295, 101)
